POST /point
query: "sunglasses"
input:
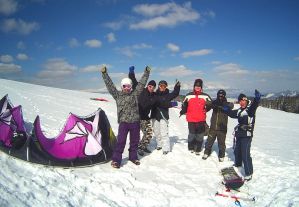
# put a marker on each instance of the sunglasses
(162, 86)
(221, 95)
(127, 86)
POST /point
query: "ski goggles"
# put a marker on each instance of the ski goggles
(127, 86)
(244, 99)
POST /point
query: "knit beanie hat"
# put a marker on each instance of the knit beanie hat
(221, 92)
(241, 96)
(163, 82)
(152, 83)
(198, 82)
(126, 81)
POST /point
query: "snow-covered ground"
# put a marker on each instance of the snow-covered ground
(176, 179)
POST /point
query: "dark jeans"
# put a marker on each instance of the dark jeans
(242, 154)
(221, 135)
(123, 130)
(195, 136)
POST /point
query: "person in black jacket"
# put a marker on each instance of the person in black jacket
(146, 101)
(244, 131)
(218, 126)
(160, 114)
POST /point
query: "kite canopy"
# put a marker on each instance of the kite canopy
(82, 141)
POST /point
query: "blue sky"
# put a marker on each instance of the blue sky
(239, 45)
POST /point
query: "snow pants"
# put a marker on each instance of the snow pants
(221, 135)
(123, 130)
(161, 133)
(242, 154)
(195, 136)
(147, 130)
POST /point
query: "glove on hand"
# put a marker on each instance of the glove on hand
(173, 103)
(225, 108)
(148, 69)
(178, 84)
(104, 69)
(131, 69)
(257, 95)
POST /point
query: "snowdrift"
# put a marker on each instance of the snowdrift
(83, 141)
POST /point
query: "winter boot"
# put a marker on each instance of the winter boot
(205, 156)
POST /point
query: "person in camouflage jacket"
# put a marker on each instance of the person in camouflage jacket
(127, 115)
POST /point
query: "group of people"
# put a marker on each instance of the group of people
(140, 106)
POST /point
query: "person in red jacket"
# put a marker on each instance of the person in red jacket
(195, 106)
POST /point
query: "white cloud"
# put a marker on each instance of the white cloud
(94, 68)
(6, 58)
(19, 26)
(230, 69)
(115, 25)
(22, 56)
(130, 51)
(172, 47)
(56, 68)
(9, 68)
(8, 7)
(179, 71)
(111, 37)
(93, 43)
(197, 53)
(21, 45)
(73, 42)
(164, 15)
(141, 46)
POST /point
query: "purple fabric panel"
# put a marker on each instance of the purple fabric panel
(18, 118)
(59, 148)
(16, 123)
(5, 134)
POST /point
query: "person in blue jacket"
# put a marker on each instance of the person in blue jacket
(244, 131)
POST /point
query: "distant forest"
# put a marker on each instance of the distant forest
(284, 103)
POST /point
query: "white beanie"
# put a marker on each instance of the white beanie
(126, 81)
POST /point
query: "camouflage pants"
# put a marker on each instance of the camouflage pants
(147, 130)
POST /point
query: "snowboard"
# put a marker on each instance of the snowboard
(231, 178)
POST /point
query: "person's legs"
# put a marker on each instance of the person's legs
(191, 136)
(156, 127)
(199, 141)
(210, 141)
(246, 158)
(164, 135)
(237, 152)
(142, 142)
(134, 140)
(121, 142)
(221, 136)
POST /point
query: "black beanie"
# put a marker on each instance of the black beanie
(221, 91)
(163, 82)
(241, 96)
(152, 83)
(198, 82)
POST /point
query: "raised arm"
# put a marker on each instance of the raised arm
(132, 77)
(109, 84)
(143, 80)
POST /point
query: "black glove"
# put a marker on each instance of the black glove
(257, 94)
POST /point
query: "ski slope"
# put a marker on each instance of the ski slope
(176, 179)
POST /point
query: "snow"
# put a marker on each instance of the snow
(176, 179)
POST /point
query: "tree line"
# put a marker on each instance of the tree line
(284, 103)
